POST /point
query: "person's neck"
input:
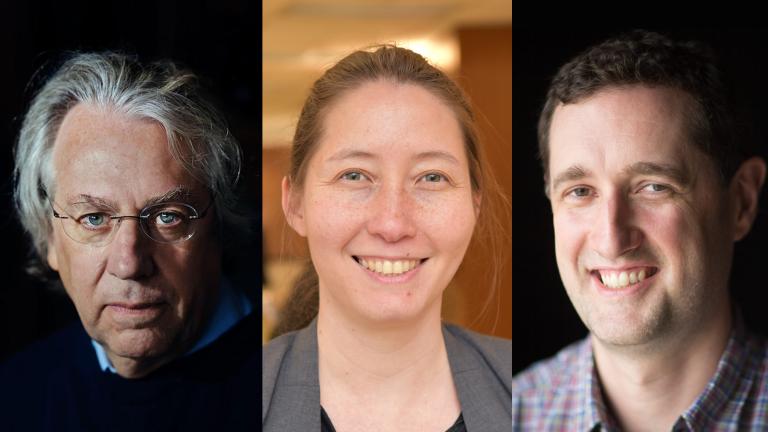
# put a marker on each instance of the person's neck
(650, 387)
(383, 369)
(368, 353)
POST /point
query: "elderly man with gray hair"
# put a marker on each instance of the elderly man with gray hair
(125, 181)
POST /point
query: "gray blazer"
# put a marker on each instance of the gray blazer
(481, 366)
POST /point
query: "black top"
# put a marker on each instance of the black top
(57, 384)
(327, 426)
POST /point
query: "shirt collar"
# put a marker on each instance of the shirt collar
(594, 413)
(231, 306)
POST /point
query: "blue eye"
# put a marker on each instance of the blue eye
(580, 192)
(94, 220)
(353, 176)
(655, 187)
(433, 177)
(167, 218)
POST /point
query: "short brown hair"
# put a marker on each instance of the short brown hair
(651, 59)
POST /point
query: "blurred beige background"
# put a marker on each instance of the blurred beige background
(469, 39)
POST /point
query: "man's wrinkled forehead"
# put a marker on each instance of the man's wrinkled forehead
(107, 154)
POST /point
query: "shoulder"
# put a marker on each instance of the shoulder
(481, 366)
(289, 361)
(556, 393)
(50, 353)
(274, 353)
(302, 342)
(756, 350)
(555, 373)
(493, 352)
(43, 372)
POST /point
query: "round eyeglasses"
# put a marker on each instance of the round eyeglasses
(167, 222)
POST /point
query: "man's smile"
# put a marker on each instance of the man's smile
(621, 278)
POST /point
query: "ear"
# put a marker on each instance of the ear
(292, 209)
(53, 259)
(745, 187)
(477, 199)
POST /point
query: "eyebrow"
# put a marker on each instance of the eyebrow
(90, 199)
(574, 172)
(179, 193)
(436, 154)
(353, 154)
(350, 154)
(670, 171)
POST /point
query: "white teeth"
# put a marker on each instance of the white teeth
(621, 279)
(387, 267)
(397, 267)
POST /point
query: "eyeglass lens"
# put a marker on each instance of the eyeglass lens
(163, 222)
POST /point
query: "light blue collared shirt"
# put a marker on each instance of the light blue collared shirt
(231, 307)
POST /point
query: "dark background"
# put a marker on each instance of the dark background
(543, 319)
(219, 40)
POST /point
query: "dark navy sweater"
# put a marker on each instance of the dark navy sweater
(57, 385)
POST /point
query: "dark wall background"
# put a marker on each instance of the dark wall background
(543, 319)
(219, 40)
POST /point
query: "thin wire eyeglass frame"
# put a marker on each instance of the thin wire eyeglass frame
(142, 218)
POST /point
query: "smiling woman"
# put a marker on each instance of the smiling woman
(389, 186)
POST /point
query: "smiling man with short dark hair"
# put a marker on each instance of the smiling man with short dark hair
(649, 190)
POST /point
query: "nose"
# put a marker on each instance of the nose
(392, 214)
(614, 232)
(129, 253)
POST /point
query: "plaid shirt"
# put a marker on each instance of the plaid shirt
(563, 393)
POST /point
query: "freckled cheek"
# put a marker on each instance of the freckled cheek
(449, 220)
(333, 218)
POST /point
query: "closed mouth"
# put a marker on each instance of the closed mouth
(136, 306)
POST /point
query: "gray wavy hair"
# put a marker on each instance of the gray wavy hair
(198, 136)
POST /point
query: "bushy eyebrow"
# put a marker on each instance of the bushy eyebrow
(673, 172)
(179, 193)
(575, 172)
(92, 200)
